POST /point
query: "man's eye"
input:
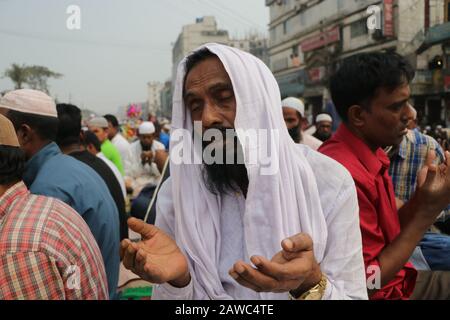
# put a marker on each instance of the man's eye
(195, 106)
(225, 95)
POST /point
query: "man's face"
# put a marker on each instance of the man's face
(26, 147)
(324, 129)
(293, 122)
(146, 141)
(101, 133)
(111, 131)
(209, 95)
(385, 123)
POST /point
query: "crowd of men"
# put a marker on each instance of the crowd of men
(361, 213)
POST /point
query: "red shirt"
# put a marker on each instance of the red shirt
(377, 209)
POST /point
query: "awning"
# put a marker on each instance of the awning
(435, 35)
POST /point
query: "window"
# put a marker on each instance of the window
(284, 27)
(358, 28)
(447, 10)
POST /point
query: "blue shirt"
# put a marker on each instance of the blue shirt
(165, 139)
(53, 174)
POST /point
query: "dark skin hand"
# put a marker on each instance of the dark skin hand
(416, 216)
(293, 269)
(159, 157)
(156, 258)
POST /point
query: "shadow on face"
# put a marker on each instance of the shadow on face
(101, 133)
(147, 141)
(209, 97)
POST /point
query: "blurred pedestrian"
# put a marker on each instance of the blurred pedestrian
(99, 126)
(51, 173)
(294, 117)
(324, 127)
(69, 140)
(47, 251)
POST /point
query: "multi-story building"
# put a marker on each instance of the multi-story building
(166, 100)
(309, 38)
(154, 97)
(255, 44)
(192, 36)
(205, 30)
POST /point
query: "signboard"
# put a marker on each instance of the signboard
(388, 21)
(330, 36)
(447, 83)
(316, 75)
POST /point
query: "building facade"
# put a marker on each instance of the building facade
(192, 36)
(255, 44)
(154, 97)
(309, 38)
(206, 30)
(166, 100)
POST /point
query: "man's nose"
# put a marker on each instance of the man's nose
(210, 116)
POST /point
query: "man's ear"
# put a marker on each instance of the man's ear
(25, 134)
(356, 116)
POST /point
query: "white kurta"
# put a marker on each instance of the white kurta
(116, 172)
(342, 263)
(141, 175)
(311, 141)
(124, 148)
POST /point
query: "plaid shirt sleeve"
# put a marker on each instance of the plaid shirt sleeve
(30, 276)
(47, 251)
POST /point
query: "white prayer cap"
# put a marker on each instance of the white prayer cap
(323, 117)
(29, 101)
(294, 103)
(147, 127)
(8, 135)
(99, 122)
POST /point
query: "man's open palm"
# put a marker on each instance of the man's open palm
(156, 258)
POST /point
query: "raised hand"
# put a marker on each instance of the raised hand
(156, 258)
(433, 186)
(293, 269)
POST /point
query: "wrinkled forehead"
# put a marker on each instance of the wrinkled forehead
(206, 73)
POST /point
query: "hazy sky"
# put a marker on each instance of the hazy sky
(121, 46)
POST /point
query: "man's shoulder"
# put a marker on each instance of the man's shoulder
(158, 145)
(108, 147)
(70, 180)
(418, 138)
(37, 219)
(342, 153)
(120, 140)
(63, 167)
(328, 171)
(311, 141)
(334, 183)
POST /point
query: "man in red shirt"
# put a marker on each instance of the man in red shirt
(371, 93)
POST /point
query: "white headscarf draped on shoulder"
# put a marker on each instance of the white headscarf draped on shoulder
(277, 206)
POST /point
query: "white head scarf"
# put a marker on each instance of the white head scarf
(277, 206)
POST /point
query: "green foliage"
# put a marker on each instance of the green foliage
(36, 77)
